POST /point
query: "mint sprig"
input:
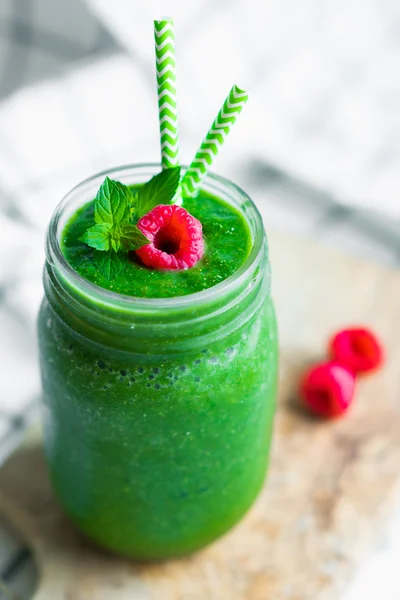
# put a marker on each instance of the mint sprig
(116, 211)
(159, 190)
(109, 264)
(112, 202)
(99, 236)
(112, 215)
(131, 238)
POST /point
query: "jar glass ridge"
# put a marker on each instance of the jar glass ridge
(215, 310)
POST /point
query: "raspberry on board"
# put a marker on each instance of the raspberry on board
(327, 389)
(358, 349)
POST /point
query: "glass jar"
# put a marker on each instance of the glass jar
(157, 412)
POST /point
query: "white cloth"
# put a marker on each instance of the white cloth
(325, 78)
(53, 135)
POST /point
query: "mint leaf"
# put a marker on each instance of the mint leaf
(159, 190)
(99, 236)
(108, 263)
(133, 205)
(132, 238)
(115, 243)
(112, 203)
(114, 207)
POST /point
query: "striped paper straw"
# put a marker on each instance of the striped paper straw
(166, 88)
(213, 141)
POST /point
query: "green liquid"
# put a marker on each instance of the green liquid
(228, 243)
(155, 455)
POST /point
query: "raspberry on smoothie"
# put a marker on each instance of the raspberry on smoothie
(176, 238)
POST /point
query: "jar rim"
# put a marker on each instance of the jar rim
(56, 258)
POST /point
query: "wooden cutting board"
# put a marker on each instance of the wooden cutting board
(331, 485)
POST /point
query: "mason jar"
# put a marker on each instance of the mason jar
(157, 411)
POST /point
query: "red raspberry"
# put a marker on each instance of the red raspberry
(327, 389)
(358, 349)
(176, 238)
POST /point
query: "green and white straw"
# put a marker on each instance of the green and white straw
(213, 141)
(166, 88)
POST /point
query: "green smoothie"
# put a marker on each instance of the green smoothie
(159, 403)
(228, 243)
